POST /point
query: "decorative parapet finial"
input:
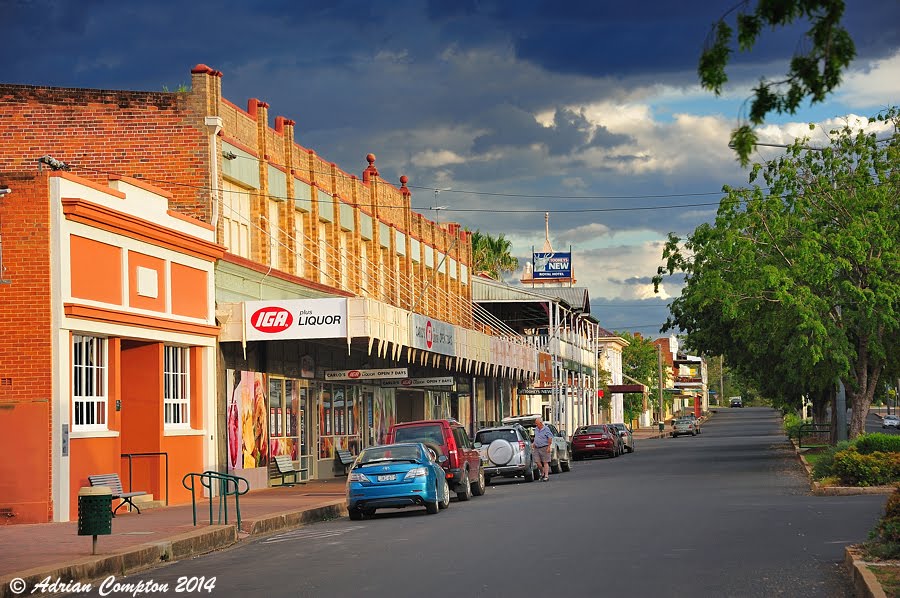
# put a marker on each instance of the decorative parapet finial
(404, 190)
(370, 171)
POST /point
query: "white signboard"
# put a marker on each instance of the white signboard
(285, 319)
(366, 374)
(432, 335)
(436, 381)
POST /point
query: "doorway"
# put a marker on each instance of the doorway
(410, 405)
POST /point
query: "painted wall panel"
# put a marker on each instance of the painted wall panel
(141, 266)
(244, 168)
(96, 272)
(189, 292)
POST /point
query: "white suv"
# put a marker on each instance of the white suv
(506, 451)
(560, 454)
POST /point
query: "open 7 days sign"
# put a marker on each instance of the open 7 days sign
(295, 318)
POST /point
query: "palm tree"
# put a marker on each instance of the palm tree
(491, 255)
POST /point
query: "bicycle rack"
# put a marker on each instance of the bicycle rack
(218, 485)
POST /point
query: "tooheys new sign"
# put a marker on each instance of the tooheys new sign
(286, 319)
(432, 335)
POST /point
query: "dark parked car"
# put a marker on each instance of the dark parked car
(599, 439)
(627, 437)
(506, 451)
(447, 437)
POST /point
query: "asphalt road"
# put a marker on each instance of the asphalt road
(725, 513)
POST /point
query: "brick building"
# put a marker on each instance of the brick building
(299, 234)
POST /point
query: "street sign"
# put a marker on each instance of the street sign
(366, 374)
(535, 391)
(412, 382)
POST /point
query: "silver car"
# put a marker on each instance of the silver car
(627, 438)
(890, 421)
(683, 426)
(560, 454)
(506, 451)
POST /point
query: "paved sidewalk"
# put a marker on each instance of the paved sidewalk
(34, 552)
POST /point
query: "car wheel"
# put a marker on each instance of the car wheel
(567, 464)
(445, 497)
(479, 486)
(432, 507)
(529, 473)
(465, 492)
(355, 514)
(554, 464)
(487, 480)
(631, 449)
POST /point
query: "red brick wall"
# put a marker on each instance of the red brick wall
(149, 135)
(25, 352)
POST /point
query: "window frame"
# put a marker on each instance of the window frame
(176, 387)
(94, 375)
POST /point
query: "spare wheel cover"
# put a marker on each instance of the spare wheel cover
(500, 452)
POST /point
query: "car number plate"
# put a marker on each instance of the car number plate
(387, 478)
(589, 445)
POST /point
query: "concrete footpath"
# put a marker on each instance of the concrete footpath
(31, 553)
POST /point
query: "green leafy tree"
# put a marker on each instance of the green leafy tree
(639, 362)
(813, 73)
(491, 255)
(797, 282)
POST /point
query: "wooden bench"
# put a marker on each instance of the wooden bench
(115, 484)
(345, 458)
(285, 467)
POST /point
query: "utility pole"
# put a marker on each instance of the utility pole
(721, 380)
(662, 410)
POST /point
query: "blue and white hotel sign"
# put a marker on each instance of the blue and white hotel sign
(552, 265)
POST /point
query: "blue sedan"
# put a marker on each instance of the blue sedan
(396, 476)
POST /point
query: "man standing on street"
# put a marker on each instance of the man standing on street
(542, 445)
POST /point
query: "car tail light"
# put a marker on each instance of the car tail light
(418, 472)
(357, 477)
(453, 456)
(522, 445)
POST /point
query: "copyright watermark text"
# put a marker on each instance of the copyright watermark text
(113, 587)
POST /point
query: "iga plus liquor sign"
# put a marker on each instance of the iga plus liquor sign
(295, 319)
(432, 335)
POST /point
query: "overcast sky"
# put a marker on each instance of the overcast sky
(590, 110)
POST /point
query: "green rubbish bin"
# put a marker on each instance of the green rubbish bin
(662, 426)
(95, 511)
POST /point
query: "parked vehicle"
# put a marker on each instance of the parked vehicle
(683, 426)
(590, 441)
(397, 476)
(627, 437)
(506, 451)
(462, 468)
(695, 419)
(560, 455)
(890, 421)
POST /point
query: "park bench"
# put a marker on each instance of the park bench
(112, 481)
(285, 467)
(345, 458)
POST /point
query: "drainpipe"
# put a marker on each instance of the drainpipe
(213, 126)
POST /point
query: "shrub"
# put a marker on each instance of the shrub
(875, 469)
(892, 507)
(878, 442)
(823, 467)
(792, 423)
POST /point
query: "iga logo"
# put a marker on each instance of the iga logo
(272, 319)
(352, 374)
(429, 334)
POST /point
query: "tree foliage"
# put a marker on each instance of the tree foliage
(491, 255)
(639, 362)
(813, 73)
(797, 283)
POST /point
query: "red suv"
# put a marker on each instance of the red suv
(448, 437)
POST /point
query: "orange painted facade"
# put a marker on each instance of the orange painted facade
(117, 261)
